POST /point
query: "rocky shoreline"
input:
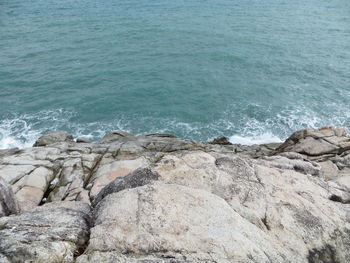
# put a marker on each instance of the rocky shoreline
(157, 198)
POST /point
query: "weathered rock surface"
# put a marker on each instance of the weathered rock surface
(53, 137)
(109, 169)
(8, 203)
(177, 222)
(157, 198)
(55, 232)
(327, 140)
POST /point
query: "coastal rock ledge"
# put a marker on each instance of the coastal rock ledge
(157, 198)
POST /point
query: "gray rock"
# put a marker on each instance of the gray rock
(302, 166)
(190, 202)
(12, 173)
(342, 161)
(8, 152)
(344, 180)
(53, 137)
(115, 136)
(312, 142)
(31, 188)
(329, 170)
(8, 203)
(56, 232)
(299, 212)
(175, 221)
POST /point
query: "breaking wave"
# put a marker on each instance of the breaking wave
(22, 130)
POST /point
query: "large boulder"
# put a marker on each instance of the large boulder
(168, 221)
(299, 211)
(8, 203)
(55, 232)
(316, 142)
(53, 137)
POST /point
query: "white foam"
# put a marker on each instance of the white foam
(16, 133)
(23, 130)
(258, 139)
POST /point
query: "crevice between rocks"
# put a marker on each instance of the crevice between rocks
(50, 187)
(339, 199)
(81, 249)
(264, 220)
(93, 170)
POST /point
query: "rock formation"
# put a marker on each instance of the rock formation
(157, 198)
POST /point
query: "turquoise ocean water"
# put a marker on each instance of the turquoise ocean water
(252, 70)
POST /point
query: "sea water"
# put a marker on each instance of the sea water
(252, 70)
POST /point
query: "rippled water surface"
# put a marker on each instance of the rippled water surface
(249, 69)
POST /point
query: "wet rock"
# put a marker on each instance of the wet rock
(221, 141)
(82, 140)
(53, 137)
(161, 135)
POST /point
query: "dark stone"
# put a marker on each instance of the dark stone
(221, 141)
(324, 255)
(161, 135)
(337, 198)
(139, 177)
(82, 140)
(222, 161)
